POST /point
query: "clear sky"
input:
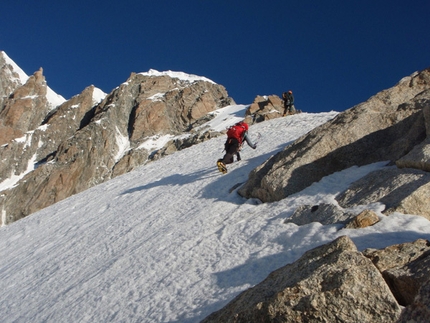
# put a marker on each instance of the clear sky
(333, 54)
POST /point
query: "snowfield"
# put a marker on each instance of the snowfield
(168, 242)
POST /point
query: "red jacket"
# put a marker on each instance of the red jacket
(237, 131)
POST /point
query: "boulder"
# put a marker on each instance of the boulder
(405, 281)
(418, 158)
(365, 219)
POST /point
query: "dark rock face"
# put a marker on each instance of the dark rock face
(419, 310)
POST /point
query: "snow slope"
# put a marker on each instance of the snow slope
(168, 242)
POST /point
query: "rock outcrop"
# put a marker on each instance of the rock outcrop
(50, 154)
(264, 108)
(331, 283)
(337, 283)
(364, 219)
(389, 125)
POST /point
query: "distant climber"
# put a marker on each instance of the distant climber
(236, 136)
(288, 103)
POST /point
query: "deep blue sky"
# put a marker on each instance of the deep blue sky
(333, 54)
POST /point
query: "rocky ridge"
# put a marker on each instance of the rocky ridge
(50, 153)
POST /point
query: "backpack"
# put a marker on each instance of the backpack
(237, 131)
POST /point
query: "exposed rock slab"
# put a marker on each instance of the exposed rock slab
(322, 213)
(403, 190)
(397, 255)
(331, 283)
(418, 158)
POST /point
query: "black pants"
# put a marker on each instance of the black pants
(290, 109)
(232, 148)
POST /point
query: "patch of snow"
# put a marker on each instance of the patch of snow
(98, 95)
(178, 75)
(156, 97)
(3, 218)
(123, 144)
(225, 117)
(54, 99)
(21, 139)
(14, 179)
(43, 127)
(156, 142)
(29, 97)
